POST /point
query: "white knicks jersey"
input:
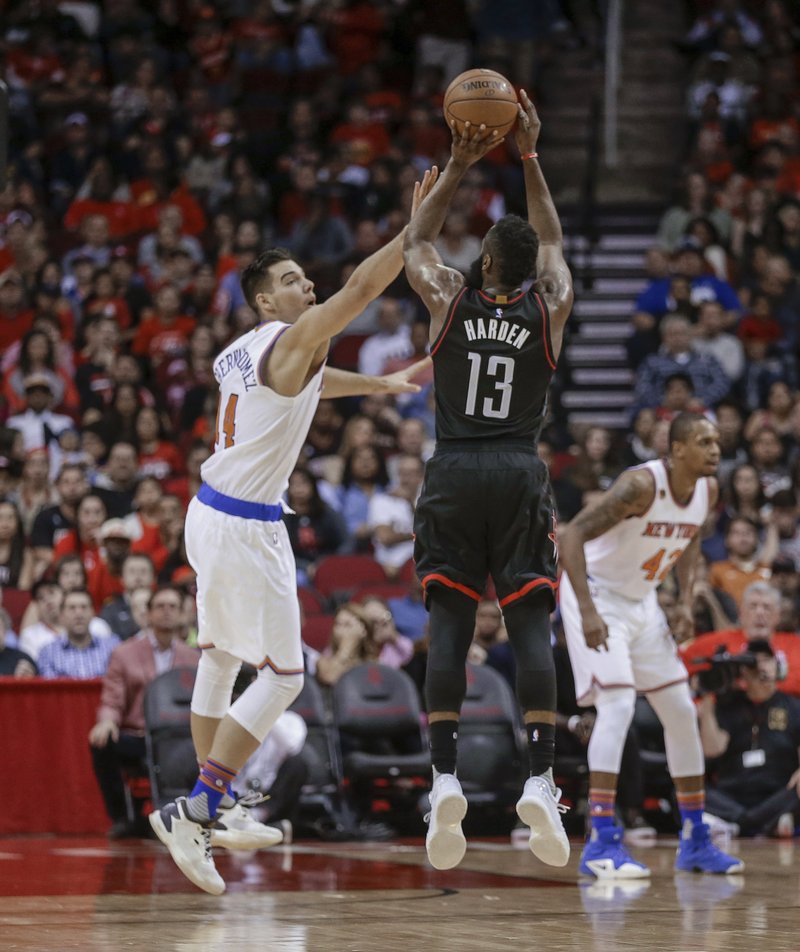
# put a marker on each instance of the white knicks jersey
(259, 432)
(636, 555)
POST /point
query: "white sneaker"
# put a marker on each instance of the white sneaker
(784, 829)
(538, 808)
(445, 841)
(189, 845)
(235, 829)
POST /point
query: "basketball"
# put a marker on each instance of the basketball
(481, 96)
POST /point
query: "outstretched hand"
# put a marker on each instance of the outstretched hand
(400, 381)
(472, 143)
(528, 126)
(423, 189)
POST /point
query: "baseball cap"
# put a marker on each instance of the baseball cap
(115, 529)
(77, 119)
(37, 380)
(19, 215)
(10, 276)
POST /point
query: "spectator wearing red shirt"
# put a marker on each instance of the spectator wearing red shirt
(84, 539)
(16, 317)
(758, 615)
(185, 487)
(105, 300)
(37, 356)
(143, 521)
(157, 456)
(96, 197)
(165, 333)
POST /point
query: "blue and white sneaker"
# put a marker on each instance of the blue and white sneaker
(696, 853)
(604, 857)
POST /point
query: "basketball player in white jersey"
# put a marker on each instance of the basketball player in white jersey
(270, 382)
(614, 554)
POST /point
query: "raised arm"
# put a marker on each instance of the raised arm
(344, 383)
(554, 280)
(436, 284)
(631, 495)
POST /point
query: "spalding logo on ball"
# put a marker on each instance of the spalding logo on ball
(481, 96)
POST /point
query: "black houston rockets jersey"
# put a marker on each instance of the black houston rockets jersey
(492, 362)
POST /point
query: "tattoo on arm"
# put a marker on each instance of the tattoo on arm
(631, 495)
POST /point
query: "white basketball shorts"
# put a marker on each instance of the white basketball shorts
(246, 588)
(641, 650)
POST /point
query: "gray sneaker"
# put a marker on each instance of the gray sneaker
(189, 844)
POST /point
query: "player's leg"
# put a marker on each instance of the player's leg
(696, 851)
(528, 623)
(604, 855)
(452, 625)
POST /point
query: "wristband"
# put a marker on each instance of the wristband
(573, 722)
(530, 155)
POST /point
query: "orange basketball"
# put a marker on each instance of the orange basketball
(481, 96)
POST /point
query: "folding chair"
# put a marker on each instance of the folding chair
(170, 752)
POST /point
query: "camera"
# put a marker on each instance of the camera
(723, 671)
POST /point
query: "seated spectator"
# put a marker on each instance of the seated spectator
(137, 574)
(37, 422)
(747, 561)
(34, 492)
(364, 476)
(390, 647)
(16, 558)
(158, 456)
(185, 487)
(490, 643)
(117, 739)
(759, 614)
(409, 611)
(165, 333)
(49, 599)
(79, 654)
(14, 662)
(750, 739)
(676, 356)
(37, 356)
(729, 426)
(595, 466)
(84, 540)
(711, 338)
(16, 316)
(787, 521)
(116, 484)
(678, 397)
(391, 515)
(640, 439)
(777, 415)
(762, 369)
(54, 522)
(391, 342)
(143, 522)
(712, 609)
(315, 530)
(352, 643)
(457, 247)
(696, 200)
(768, 455)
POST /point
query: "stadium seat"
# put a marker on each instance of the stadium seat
(317, 631)
(168, 735)
(310, 601)
(338, 576)
(377, 714)
(344, 353)
(15, 601)
(491, 756)
(384, 590)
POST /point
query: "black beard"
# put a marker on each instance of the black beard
(474, 275)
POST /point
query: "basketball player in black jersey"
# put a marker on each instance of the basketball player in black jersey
(486, 505)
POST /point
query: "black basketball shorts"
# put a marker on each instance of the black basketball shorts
(486, 512)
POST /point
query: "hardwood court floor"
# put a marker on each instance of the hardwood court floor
(67, 893)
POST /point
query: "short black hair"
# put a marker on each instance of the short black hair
(255, 277)
(681, 427)
(683, 378)
(514, 246)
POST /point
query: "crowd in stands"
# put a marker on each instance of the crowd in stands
(157, 148)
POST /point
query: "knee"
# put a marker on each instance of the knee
(615, 708)
(287, 686)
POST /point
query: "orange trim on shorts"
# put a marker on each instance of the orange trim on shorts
(209, 645)
(435, 577)
(268, 663)
(536, 583)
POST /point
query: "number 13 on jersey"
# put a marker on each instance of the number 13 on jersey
(494, 367)
(228, 422)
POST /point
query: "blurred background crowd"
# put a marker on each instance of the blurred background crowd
(157, 147)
